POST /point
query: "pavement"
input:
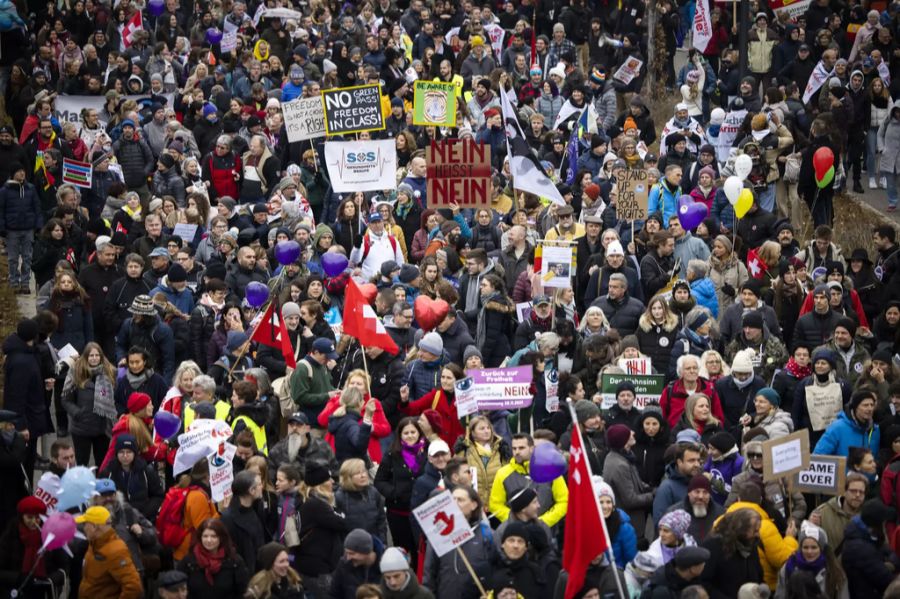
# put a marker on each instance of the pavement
(876, 200)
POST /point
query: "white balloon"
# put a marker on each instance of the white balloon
(733, 186)
(743, 164)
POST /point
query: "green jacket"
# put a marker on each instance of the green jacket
(310, 384)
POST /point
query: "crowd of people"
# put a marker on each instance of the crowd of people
(758, 325)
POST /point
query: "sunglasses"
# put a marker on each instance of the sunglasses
(754, 455)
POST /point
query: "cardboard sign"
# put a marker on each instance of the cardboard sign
(647, 388)
(466, 398)
(352, 109)
(458, 170)
(826, 475)
(823, 404)
(502, 388)
(556, 267)
(434, 104)
(633, 195)
(785, 456)
(443, 523)
(361, 165)
(303, 119)
(221, 471)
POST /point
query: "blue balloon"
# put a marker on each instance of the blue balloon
(76, 487)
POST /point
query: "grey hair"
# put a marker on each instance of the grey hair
(617, 276)
(679, 365)
(206, 383)
(548, 341)
(698, 268)
(263, 382)
(225, 140)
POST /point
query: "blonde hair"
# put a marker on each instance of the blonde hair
(770, 252)
(262, 467)
(358, 372)
(710, 353)
(689, 405)
(352, 399)
(141, 433)
(324, 493)
(260, 586)
(350, 468)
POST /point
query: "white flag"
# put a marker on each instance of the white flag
(816, 80)
(702, 25)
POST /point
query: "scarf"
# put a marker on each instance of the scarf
(410, 454)
(797, 371)
(481, 326)
(104, 404)
(742, 384)
(542, 323)
(31, 539)
(211, 563)
(796, 562)
(668, 553)
(137, 380)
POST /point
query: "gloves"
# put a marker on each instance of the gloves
(728, 290)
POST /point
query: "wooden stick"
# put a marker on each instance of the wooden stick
(471, 571)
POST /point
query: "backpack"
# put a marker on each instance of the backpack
(367, 245)
(170, 520)
(281, 387)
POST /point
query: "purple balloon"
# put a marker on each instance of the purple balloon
(156, 7)
(690, 213)
(334, 264)
(547, 464)
(166, 424)
(287, 252)
(213, 35)
(58, 530)
(257, 294)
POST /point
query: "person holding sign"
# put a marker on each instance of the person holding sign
(854, 427)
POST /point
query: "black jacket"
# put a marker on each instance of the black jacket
(246, 529)
(229, 583)
(140, 485)
(322, 531)
(315, 450)
(724, 574)
(394, 480)
(623, 314)
(121, 293)
(864, 562)
(23, 386)
(524, 574)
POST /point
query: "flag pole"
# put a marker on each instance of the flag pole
(471, 571)
(362, 350)
(587, 465)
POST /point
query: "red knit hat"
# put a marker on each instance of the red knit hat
(137, 402)
(31, 505)
(592, 190)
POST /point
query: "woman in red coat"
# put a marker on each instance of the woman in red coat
(381, 428)
(688, 382)
(442, 400)
(138, 422)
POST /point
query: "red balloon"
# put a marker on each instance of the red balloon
(823, 160)
(429, 313)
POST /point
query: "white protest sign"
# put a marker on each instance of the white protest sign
(784, 456)
(201, 439)
(823, 404)
(825, 475)
(556, 267)
(304, 118)
(551, 383)
(47, 489)
(466, 401)
(628, 71)
(67, 351)
(635, 365)
(221, 471)
(361, 165)
(443, 523)
(185, 231)
(229, 41)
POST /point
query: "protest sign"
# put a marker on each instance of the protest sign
(201, 439)
(47, 489)
(825, 475)
(523, 311)
(229, 41)
(823, 404)
(551, 384)
(635, 365)
(77, 173)
(466, 400)
(633, 194)
(502, 388)
(434, 104)
(785, 456)
(458, 171)
(361, 165)
(221, 471)
(629, 70)
(794, 8)
(443, 523)
(186, 231)
(647, 388)
(303, 119)
(352, 109)
(556, 266)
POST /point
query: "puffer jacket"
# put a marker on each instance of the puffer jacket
(363, 509)
(889, 142)
(777, 423)
(351, 437)
(486, 465)
(847, 432)
(704, 291)
(136, 159)
(655, 340)
(20, 208)
(79, 405)
(76, 324)
(108, 571)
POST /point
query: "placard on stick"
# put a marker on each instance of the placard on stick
(443, 523)
(303, 119)
(434, 104)
(785, 456)
(458, 170)
(826, 474)
(633, 195)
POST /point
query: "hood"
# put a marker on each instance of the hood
(673, 474)
(895, 108)
(662, 437)
(14, 343)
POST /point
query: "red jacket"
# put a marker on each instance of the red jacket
(380, 426)
(674, 395)
(451, 428)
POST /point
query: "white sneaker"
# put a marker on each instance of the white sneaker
(883, 183)
(873, 183)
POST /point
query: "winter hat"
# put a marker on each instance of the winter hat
(209, 109)
(693, 76)
(759, 122)
(858, 397)
(629, 124)
(754, 286)
(408, 273)
(771, 396)
(516, 528)
(31, 505)
(673, 139)
(126, 441)
(177, 274)
(617, 435)
(592, 190)
(847, 323)
(698, 481)
(689, 436)
(723, 441)
(823, 353)
(808, 530)
(393, 560)
(699, 319)
(432, 343)
(470, 351)
(708, 170)
(598, 75)
(290, 309)
(359, 541)
(585, 409)
(407, 189)
(267, 554)
(874, 513)
(234, 340)
(603, 489)
(316, 474)
(27, 330)
(388, 267)
(753, 590)
(882, 355)
(743, 361)
(752, 319)
(615, 248)
(677, 521)
(690, 556)
(717, 116)
(624, 386)
(137, 401)
(522, 499)
(629, 342)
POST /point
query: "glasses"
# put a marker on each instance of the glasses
(754, 455)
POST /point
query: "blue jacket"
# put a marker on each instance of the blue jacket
(664, 201)
(704, 291)
(625, 543)
(845, 432)
(418, 184)
(590, 162)
(183, 300)
(722, 210)
(291, 92)
(422, 377)
(20, 208)
(673, 489)
(351, 437)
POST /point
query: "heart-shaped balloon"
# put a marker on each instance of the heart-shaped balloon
(745, 201)
(334, 263)
(369, 291)
(690, 213)
(166, 424)
(256, 294)
(429, 313)
(287, 252)
(547, 463)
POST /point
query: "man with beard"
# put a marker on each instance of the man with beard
(684, 124)
(540, 320)
(834, 515)
(244, 272)
(679, 473)
(482, 100)
(97, 279)
(699, 504)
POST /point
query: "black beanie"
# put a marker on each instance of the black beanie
(27, 330)
(847, 323)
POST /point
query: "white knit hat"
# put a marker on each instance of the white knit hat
(743, 361)
(393, 560)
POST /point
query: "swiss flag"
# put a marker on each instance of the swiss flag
(361, 322)
(585, 534)
(272, 331)
(755, 265)
(136, 23)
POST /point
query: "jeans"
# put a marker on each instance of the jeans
(766, 198)
(19, 244)
(893, 182)
(872, 152)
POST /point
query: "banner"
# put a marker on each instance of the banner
(816, 80)
(201, 439)
(633, 195)
(303, 119)
(47, 489)
(466, 400)
(443, 523)
(629, 70)
(77, 173)
(352, 109)
(458, 170)
(794, 8)
(496, 33)
(502, 388)
(647, 388)
(825, 475)
(362, 165)
(68, 108)
(556, 266)
(702, 25)
(434, 104)
(221, 471)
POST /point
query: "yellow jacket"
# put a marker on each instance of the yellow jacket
(554, 495)
(223, 409)
(259, 432)
(774, 550)
(575, 233)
